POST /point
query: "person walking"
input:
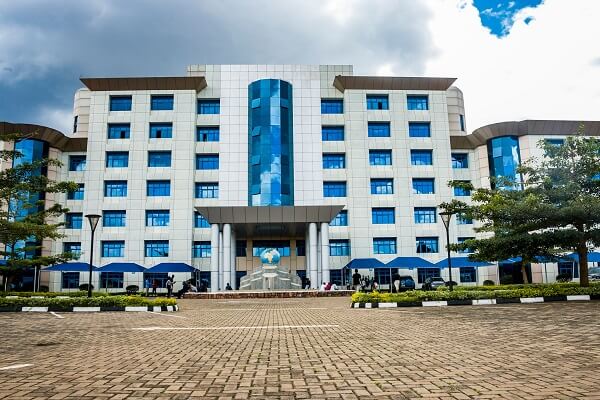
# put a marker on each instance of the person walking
(170, 283)
(356, 280)
(147, 285)
(307, 284)
(154, 286)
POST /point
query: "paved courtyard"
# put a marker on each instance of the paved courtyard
(305, 348)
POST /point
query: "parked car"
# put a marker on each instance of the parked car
(406, 283)
(594, 274)
(432, 283)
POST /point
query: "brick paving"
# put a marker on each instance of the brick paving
(310, 348)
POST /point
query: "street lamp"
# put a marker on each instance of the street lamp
(446, 217)
(93, 219)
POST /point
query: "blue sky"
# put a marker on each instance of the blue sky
(498, 16)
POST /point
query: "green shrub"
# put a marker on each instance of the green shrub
(84, 287)
(44, 288)
(98, 301)
(53, 294)
(563, 278)
(488, 282)
(132, 289)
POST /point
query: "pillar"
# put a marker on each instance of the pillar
(226, 255)
(221, 287)
(306, 255)
(214, 257)
(325, 251)
(312, 238)
(319, 270)
(233, 259)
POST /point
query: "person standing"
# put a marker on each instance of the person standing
(170, 283)
(307, 283)
(154, 286)
(356, 280)
(147, 285)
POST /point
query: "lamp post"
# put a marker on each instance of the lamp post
(93, 219)
(446, 217)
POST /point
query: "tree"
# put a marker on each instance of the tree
(25, 218)
(550, 208)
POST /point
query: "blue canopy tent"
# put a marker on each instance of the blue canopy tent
(458, 262)
(359, 263)
(410, 263)
(122, 267)
(171, 267)
(71, 267)
(593, 256)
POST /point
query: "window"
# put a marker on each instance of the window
(460, 160)
(384, 245)
(462, 240)
(200, 221)
(77, 194)
(282, 246)
(423, 186)
(73, 248)
(421, 157)
(427, 245)
(383, 215)
(207, 134)
(341, 219)
(332, 106)
(163, 130)
(332, 133)
(301, 248)
(159, 277)
(159, 159)
(380, 157)
(462, 220)
(378, 129)
(468, 274)
(113, 218)
(158, 188)
(377, 102)
(425, 215)
(424, 273)
(460, 191)
(156, 248)
(334, 161)
(462, 122)
(70, 280)
(382, 186)
(119, 131)
(111, 280)
(201, 250)
(75, 119)
(240, 248)
(77, 163)
(419, 129)
(115, 188)
(74, 220)
(334, 189)
(417, 103)
(209, 106)
(382, 276)
(113, 248)
(568, 268)
(207, 161)
(555, 142)
(159, 103)
(207, 190)
(120, 103)
(157, 217)
(339, 247)
(117, 159)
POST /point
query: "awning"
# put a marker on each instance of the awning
(122, 267)
(594, 256)
(71, 267)
(365, 263)
(171, 267)
(458, 262)
(410, 263)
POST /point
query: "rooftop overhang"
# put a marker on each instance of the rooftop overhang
(343, 82)
(54, 138)
(196, 83)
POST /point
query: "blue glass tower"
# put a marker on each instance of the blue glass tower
(270, 143)
(504, 157)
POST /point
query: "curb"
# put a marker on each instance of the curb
(478, 302)
(91, 309)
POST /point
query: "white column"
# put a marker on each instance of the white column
(233, 251)
(319, 267)
(325, 251)
(312, 238)
(226, 255)
(221, 259)
(214, 257)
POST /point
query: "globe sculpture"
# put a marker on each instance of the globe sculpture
(270, 257)
(270, 276)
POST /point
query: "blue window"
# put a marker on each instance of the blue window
(200, 221)
(462, 220)
(201, 250)
(156, 248)
(113, 218)
(419, 129)
(77, 194)
(117, 159)
(504, 157)
(421, 157)
(460, 160)
(459, 191)
(282, 246)
(334, 189)
(77, 163)
(207, 161)
(113, 248)
(332, 133)
(419, 103)
(207, 134)
(119, 131)
(462, 122)
(115, 188)
(161, 102)
(160, 159)
(162, 130)
(70, 280)
(423, 186)
(341, 219)
(384, 215)
(207, 190)
(73, 248)
(467, 274)
(378, 129)
(332, 106)
(159, 277)
(377, 102)
(424, 273)
(157, 217)
(555, 142)
(425, 215)
(111, 280)
(334, 161)
(382, 186)
(380, 157)
(427, 245)
(209, 106)
(384, 245)
(120, 103)
(74, 220)
(339, 247)
(158, 188)
(462, 240)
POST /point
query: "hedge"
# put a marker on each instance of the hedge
(54, 294)
(99, 301)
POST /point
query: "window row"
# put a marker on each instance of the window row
(384, 157)
(157, 188)
(386, 186)
(118, 218)
(376, 102)
(162, 103)
(162, 130)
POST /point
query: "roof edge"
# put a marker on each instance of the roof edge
(53, 137)
(196, 83)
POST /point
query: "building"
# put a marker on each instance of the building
(210, 168)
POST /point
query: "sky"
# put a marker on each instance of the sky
(514, 60)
